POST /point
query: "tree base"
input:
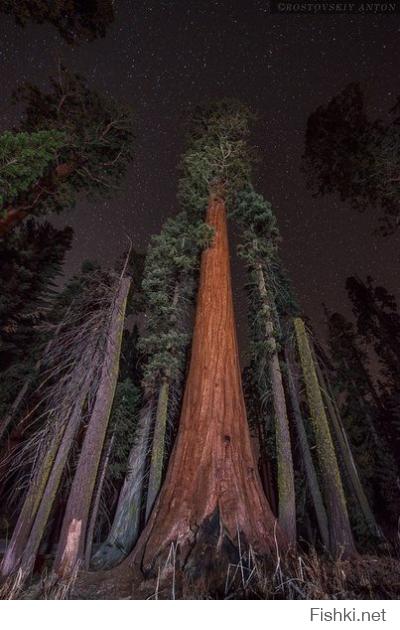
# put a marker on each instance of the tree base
(311, 577)
(109, 556)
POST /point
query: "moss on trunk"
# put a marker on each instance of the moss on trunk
(54, 479)
(345, 455)
(309, 467)
(286, 491)
(340, 535)
(12, 557)
(158, 447)
(71, 546)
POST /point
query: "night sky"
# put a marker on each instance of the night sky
(164, 56)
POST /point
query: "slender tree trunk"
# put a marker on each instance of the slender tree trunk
(71, 546)
(340, 535)
(345, 453)
(286, 491)
(54, 480)
(266, 471)
(35, 512)
(96, 502)
(212, 494)
(5, 423)
(158, 446)
(126, 522)
(16, 546)
(309, 467)
(160, 428)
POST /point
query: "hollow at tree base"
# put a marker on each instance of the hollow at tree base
(206, 560)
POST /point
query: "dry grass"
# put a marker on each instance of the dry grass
(301, 577)
(293, 577)
(12, 587)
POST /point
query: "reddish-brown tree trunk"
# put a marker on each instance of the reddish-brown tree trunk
(212, 495)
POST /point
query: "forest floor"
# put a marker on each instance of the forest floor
(302, 577)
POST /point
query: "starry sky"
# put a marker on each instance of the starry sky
(161, 56)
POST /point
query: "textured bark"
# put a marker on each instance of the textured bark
(54, 480)
(286, 491)
(158, 447)
(96, 501)
(71, 546)
(42, 494)
(212, 493)
(345, 454)
(340, 535)
(309, 467)
(265, 468)
(17, 544)
(125, 527)
(160, 428)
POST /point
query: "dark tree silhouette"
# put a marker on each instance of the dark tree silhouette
(76, 20)
(359, 158)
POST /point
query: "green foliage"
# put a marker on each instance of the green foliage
(31, 259)
(75, 20)
(168, 284)
(259, 246)
(131, 363)
(97, 142)
(217, 159)
(260, 234)
(258, 249)
(24, 159)
(123, 422)
(73, 289)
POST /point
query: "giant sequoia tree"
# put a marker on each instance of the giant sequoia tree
(163, 404)
(212, 496)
